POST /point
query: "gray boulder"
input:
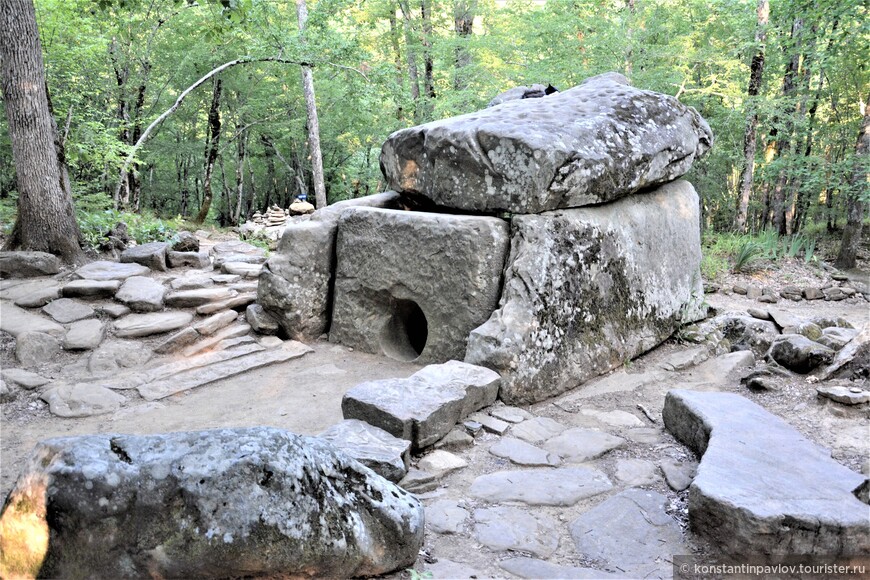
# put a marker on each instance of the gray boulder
(28, 264)
(412, 285)
(261, 321)
(152, 255)
(185, 242)
(798, 353)
(191, 259)
(853, 361)
(295, 284)
(587, 289)
(590, 144)
(762, 487)
(141, 294)
(224, 503)
(746, 332)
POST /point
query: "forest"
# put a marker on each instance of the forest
(782, 83)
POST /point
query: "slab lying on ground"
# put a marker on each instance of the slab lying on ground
(762, 487)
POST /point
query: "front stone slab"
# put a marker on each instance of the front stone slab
(762, 487)
(587, 289)
(412, 285)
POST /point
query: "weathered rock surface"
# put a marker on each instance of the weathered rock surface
(14, 320)
(193, 259)
(441, 463)
(28, 264)
(384, 454)
(445, 517)
(510, 528)
(24, 379)
(214, 341)
(236, 302)
(91, 288)
(230, 502)
(535, 569)
(845, 395)
(412, 285)
(590, 144)
(522, 453)
(630, 531)
(801, 504)
(295, 285)
(142, 294)
(84, 335)
(185, 242)
(424, 407)
(587, 289)
(853, 360)
(152, 255)
(106, 270)
(557, 487)
(678, 474)
(194, 298)
(261, 321)
(36, 348)
(15, 290)
(138, 325)
(81, 400)
(177, 341)
(116, 355)
(798, 353)
(537, 430)
(237, 251)
(39, 297)
(215, 322)
(244, 269)
(578, 445)
(635, 472)
(66, 310)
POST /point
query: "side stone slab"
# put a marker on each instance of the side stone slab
(762, 487)
(587, 289)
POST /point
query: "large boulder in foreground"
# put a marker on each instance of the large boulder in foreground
(591, 144)
(762, 487)
(587, 289)
(223, 503)
(295, 284)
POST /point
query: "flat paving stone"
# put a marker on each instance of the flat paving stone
(440, 463)
(384, 454)
(115, 310)
(521, 453)
(563, 486)
(24, 379)
(91, 289)
(644, 435)
(138, 325)
(33, 349)
(613, 418)
(106, 270)
(66, 310)
(215, 322)
(16, 290)
(197, 282)
(490, 424)
(234, 303)
(636, 472)
(509, 528)
(198, 377)
(15, 321)
(141, 294)
(631, 532)
(510, 414)
(535, 569)
(39, 297)
(116, 355)
(243, 269)
(446, 517)
(84, 335)
(678, 474)
(81, 400)
(845, 395)
(425, 406)
(194, 298)
(537, 430)
(578, 445)
(762, 487)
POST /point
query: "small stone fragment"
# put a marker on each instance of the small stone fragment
(456, 440)
(489, 423)
(261, 321)
(635, 472)
(844, 395)
(440, 463)
(215, 322)
(678, 474)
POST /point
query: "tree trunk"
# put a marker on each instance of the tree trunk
(411, 56)
(271, 178)
(397, 54)
(313, 123)
(46, 218)
(428, 66)
(756, 71)
(463, 24)
(240, 176)
(213, 137)
(854, 203)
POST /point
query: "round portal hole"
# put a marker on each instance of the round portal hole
(405, 334)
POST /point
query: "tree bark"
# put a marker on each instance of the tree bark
(858, 186)
(313, 123)
(411, 57)
(240, 177)
(463, 25)
(46, 218)
(756, 71)
(428, 64)
(213, 138)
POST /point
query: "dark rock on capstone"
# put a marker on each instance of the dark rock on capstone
(186, 242)
(222, 503)
(590, 144)
(798, 353)
(762, 487)
(28, 264)
(152, 255)
(536, 91)
(587, 289)
(295, 284)
(412, 285)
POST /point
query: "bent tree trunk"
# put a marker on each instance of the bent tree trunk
(313, 122)
(854, 203)
(46, 218)
(213, 138)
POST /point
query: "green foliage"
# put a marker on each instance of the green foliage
(8, 212)
(747, 253)
(413, 574)
(143, 227)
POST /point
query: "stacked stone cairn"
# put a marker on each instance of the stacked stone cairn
(551, 240)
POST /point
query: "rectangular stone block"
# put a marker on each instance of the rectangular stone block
(412, 285)
(588, 289)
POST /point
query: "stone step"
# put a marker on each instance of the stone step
(138, 325)
(762, 487)
(384, 454)
(424, 407)
(106, 270)
(15, 320)
(194, 298)
(198, 377)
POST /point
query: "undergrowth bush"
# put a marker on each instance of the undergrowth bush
(729, 251)
(142, 228)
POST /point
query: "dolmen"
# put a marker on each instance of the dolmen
(549, 239)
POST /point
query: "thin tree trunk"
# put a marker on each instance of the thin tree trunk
(428, 64)
(313, 123)
(213, 137)
(249, 201)
(411, 57)
(271, 178)
(240, 177)
(463, 25)
(749, 136)
(854, 204)
(629, 33)
(397, 54)
(46, 218)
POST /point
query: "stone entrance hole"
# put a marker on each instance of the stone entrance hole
(406, 331)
